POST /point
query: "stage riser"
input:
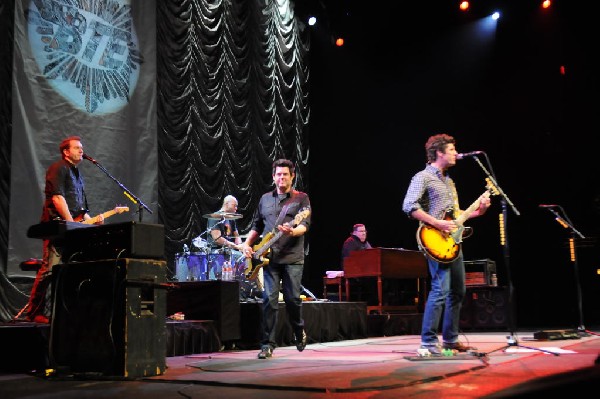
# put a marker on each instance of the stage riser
(209, 300)
(385, 325)
(24, 347)
(324, 322)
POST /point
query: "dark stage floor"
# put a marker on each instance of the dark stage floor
(377, 367)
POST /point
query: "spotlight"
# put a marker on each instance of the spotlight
(339, 41)
(464, 5)
(312, 20)
(546, 4)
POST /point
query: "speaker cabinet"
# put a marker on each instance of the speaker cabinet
(215, 300)
(109, 317)
(485, 308)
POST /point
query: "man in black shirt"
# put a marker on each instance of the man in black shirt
(278, 215)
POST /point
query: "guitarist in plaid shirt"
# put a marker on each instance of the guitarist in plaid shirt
(430, 195)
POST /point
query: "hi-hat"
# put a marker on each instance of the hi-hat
(223, 215)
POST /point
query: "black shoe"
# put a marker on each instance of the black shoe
(301, 342)
(265, 352)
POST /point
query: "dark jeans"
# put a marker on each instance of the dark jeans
(290, 278)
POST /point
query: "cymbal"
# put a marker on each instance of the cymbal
(223, 215)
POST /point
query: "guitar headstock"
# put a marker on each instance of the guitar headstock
(121, 209)
(303, 214)
(491, 187)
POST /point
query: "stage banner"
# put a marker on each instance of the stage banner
(85, 68)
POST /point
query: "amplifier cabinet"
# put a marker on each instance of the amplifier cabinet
(479, 272)
(109, 317)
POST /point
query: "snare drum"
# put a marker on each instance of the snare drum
(200, 243)
(191, 266)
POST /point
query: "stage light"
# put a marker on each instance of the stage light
(312, 20)
(546, 4)
(339, 41)
(496, 15)
(464, 5)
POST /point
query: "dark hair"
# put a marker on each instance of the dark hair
(284, 163)
(66, 143)
(436, 143)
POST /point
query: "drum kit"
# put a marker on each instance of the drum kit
(204, 263)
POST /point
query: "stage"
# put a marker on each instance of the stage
(381, 367)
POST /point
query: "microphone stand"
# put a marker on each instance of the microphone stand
(567, 224)
(511, 340)
(132, 197)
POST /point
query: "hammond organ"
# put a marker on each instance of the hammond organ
(388, 263)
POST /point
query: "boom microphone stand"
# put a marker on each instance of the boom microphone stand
(567, 224)
(126, 191)
(511, 340)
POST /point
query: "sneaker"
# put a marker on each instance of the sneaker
(265, 352)
(457, 346)
(301, 343)
(434, 349)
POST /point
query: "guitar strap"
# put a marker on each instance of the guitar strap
(282, 214)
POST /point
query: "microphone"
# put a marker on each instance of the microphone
(86, 156)
(547, 206)
(469, 154)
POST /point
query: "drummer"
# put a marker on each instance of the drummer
(224, 232)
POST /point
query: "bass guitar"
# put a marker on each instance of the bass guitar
(107, 214)
(262, 250)
(444, 247)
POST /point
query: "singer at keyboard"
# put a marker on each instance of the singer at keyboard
(64, 199)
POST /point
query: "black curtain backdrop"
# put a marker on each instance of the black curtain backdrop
(241, 83)
(233, 97)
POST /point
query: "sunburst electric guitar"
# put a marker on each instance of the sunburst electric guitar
(263, 248)
(445, 247)
(107, 214)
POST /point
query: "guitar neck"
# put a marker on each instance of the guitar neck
(96, 218)
(268, 244)
(462, 218)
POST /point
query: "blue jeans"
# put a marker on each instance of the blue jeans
(291, 278)
(447, 293)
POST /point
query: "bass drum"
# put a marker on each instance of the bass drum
(216, 259)
(191, 266)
